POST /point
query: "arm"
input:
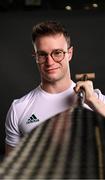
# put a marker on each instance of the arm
(8, 149)
(91, 98)
(11, 130)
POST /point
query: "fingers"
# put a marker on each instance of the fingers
(87, 86)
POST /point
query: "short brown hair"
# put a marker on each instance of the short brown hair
(49, 28)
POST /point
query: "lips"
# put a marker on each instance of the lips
(52, 69)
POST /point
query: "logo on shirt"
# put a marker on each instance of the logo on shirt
(32, 119)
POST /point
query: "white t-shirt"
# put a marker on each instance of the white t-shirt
(34, 108)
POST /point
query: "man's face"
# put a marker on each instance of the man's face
(50, 70)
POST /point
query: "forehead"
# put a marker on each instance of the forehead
(50, 42)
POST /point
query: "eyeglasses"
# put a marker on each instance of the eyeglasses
(57, 55)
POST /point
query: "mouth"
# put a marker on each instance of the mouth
(51, 69)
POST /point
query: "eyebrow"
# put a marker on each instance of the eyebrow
(41, 51)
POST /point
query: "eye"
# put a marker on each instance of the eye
(57, 53)
(40, 54)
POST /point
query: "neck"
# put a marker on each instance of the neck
(56, 87)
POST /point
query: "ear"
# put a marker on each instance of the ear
(70, 53)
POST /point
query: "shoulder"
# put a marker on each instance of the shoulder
(27, 97)
(100, 95)
(20, 104)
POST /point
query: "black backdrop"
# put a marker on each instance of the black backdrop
(18, 71)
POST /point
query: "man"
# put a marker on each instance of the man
(56, 92)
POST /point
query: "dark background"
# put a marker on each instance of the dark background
(18, 71)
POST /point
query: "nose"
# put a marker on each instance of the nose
(49, 60)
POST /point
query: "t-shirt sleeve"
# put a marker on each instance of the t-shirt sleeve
(11, 127)
(100, 95)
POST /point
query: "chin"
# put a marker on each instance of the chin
(52, 79)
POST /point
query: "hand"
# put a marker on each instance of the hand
(87, 86)
(91, 98)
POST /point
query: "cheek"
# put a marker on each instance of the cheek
(64, 66)
(65, 63)
(41, 68)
